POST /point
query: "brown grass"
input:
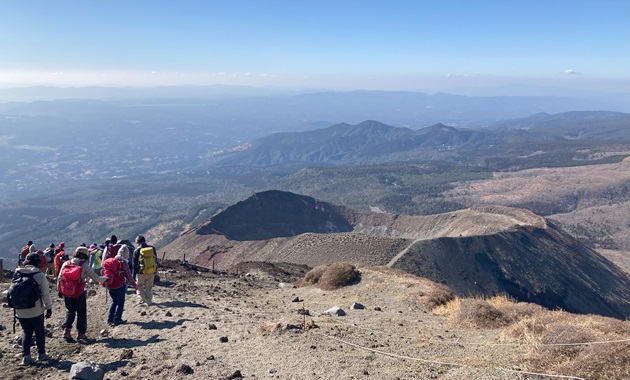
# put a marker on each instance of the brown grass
(552, 332)
(492, 313)
(555, 342)
(331, 277)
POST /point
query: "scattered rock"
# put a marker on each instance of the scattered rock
(168, 314)
(104, 333)
(185, 369)
(285, 285)
(143, 313)
(303, 311)
(272, 370)
(212, 326)
(49, 334)
(211, 357)
(335, 311)
(357, 306)
(91, 293)
(297, 299)
(377, 309)
(271, 327)
(2, 328)
(86, 371)
(235, 375)
(223, 339)
(126, 354)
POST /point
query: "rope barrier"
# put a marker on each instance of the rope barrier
(447, 363)
(496, 344)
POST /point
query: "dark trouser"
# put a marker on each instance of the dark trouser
(76, 307)
(117, 306)
(30, 325)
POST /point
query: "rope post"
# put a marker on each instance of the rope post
(1, 271)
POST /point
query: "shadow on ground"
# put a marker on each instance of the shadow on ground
(155, 325)
(130, 343)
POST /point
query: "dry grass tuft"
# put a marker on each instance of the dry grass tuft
(560, 344)
(479, 313)
(331, 277)
(498, 311)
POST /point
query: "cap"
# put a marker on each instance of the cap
(32, 258)
(81, 253)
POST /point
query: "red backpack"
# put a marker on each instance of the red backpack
(112, 268)
(71, 284)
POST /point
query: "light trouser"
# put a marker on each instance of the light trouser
(145, 287)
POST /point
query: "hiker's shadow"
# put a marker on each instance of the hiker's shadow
(180, 304)
(158, 325)
(130, 343)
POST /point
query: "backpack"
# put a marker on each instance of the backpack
(147, 262)
(65, 257)
(113, 269)
(25, 251)
(97, 258)
(24, 291)
(71, 284)
(112, 251)
(50, 255)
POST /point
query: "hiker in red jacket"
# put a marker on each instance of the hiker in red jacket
(71, 281)
(117, 269)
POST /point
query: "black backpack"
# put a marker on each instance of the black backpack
(24, 291)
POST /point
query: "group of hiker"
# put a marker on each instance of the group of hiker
(109, 264)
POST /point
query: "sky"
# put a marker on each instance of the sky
(340, 44)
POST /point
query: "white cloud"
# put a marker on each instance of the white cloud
(569, 71)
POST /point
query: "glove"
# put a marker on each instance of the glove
(48, 313)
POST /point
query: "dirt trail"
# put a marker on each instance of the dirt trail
(204, 326)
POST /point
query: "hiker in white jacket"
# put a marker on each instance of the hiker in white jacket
(32, 320)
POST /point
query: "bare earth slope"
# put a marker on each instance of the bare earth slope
(478, 251)
(180, 336)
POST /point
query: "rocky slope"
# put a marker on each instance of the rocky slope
(222, 326)
(479, 251)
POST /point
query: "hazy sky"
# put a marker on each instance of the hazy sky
(367, 44)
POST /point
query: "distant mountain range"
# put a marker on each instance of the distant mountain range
(372, 141)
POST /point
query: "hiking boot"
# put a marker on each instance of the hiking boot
(82, 338)
(26, 360)
(43, 357)
(67, 335)
(119, 322)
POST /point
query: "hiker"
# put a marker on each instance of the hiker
(71, 284)
(117, 269)
(60, 257)
(144, 267)
(49, 253)
(32, 318)
(112, 248)
(25, 251)
(43, 264)
(96, 258)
